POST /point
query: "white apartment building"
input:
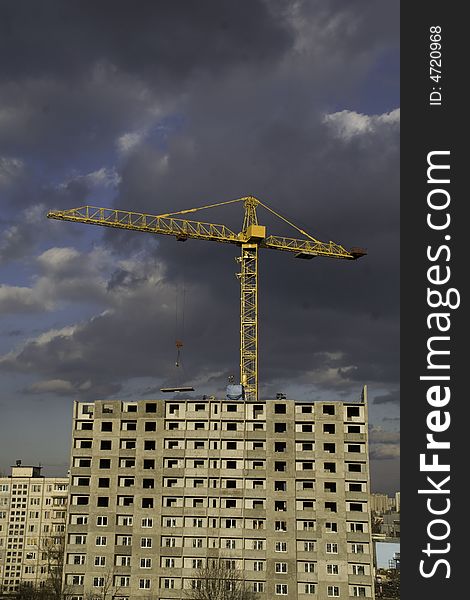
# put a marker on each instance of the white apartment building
(381, 503)
(32, 522)
(277, 489)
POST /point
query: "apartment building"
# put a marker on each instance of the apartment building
(380, 503)
(278, 490)
(32, 525)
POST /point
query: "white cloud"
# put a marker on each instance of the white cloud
(129, 141)
(101, 178)
(51, 386)
(21, 299)
(57, 257)
(48, 336)
(348, 124)
(332, 377)
(104, 177)
(65, 275)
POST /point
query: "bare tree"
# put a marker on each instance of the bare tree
(219, 581)
(107, 591)
(29, 592)
(53, 550)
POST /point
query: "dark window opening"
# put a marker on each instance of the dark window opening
(355, 487)
(354, 429)
(354, 467)
(353, 411)
(354, 447)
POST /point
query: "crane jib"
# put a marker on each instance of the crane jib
(250, 239)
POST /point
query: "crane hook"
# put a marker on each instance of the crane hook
(179, 345)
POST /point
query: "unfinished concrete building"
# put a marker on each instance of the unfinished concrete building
(278, 490)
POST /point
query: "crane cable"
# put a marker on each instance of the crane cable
(265, 206)
(179, 329)
(190, 210)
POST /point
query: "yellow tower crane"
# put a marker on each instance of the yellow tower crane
(249, 239)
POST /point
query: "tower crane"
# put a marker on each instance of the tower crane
(250, 239)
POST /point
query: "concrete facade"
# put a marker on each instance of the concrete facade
(32, 521)
(279, 489)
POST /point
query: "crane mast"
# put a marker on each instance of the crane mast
(250, 239)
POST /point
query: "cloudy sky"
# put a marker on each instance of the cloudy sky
(157, 106)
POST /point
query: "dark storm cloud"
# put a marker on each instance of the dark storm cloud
(76, 75)
(297, 165)
(26, 200)
(384, 445)
(183, 104)
(315, 317)
(392, 397)
(121, 278)
(377, 435)
(161, 40)
(134, 339)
